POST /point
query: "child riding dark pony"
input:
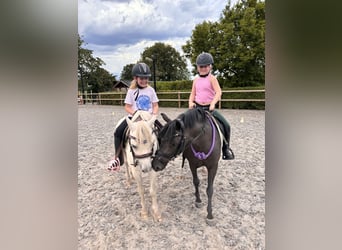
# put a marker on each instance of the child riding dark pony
(194, 135)
(205, 93)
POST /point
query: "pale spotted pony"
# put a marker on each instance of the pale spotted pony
(138, 151)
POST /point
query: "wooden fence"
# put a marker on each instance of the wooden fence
(119, 97)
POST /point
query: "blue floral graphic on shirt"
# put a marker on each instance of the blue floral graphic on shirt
(144, 102)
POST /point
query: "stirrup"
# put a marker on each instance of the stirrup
(114, 164)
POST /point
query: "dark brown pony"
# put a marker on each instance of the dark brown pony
(194, 134)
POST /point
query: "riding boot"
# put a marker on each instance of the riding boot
(227, 153)
(118, 159)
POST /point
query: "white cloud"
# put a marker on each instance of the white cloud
(118, 31)
(116, 57)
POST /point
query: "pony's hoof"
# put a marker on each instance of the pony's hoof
(198, 204)
(210, 222)
(144, 215)
(157, 218)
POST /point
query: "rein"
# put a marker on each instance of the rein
(182, 146)
(202, 155)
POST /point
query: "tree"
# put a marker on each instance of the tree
(126, 73)
(198, 42)
(170, 65)
(237, 43)
(91, 75)
(242, 55)
(100, 80)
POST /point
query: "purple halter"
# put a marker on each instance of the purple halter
(202, 155)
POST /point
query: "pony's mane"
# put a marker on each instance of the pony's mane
(192, 116)
(189, 119)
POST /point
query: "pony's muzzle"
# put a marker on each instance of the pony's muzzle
(157, 165)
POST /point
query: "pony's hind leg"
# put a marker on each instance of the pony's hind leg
(153, 192)
(196, 181)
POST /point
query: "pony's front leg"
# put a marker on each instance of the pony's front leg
(129, 176)
(196, 182)
(210, 191)
(137, 176)
(153, 192)
(127, 159)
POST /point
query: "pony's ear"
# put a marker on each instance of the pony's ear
(136, 116)
(152, 120)
(129, 122)
(165, 117)
(179, 125)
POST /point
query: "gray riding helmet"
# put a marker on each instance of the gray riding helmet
(141, 70)
(204, 59)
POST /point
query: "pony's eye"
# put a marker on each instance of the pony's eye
(134, 146)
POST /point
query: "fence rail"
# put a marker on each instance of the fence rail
(100, 98)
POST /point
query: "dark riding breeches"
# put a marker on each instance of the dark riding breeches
(225, 124)
(118, 136)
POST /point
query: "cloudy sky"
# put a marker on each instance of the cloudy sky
(118, 30)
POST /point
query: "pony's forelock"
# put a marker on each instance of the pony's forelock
(143, 131)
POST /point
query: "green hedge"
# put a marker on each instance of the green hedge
(185, 86)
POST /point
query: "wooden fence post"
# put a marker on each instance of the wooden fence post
(179, 102)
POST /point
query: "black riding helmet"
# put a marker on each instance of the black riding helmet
(204, 59)
(141, 70)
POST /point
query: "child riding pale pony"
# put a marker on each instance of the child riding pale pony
(141, 145)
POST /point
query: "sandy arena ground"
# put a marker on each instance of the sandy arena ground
(109, 213)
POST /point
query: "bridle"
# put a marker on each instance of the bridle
(137, 156)
(164, 158)
(181, 146)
